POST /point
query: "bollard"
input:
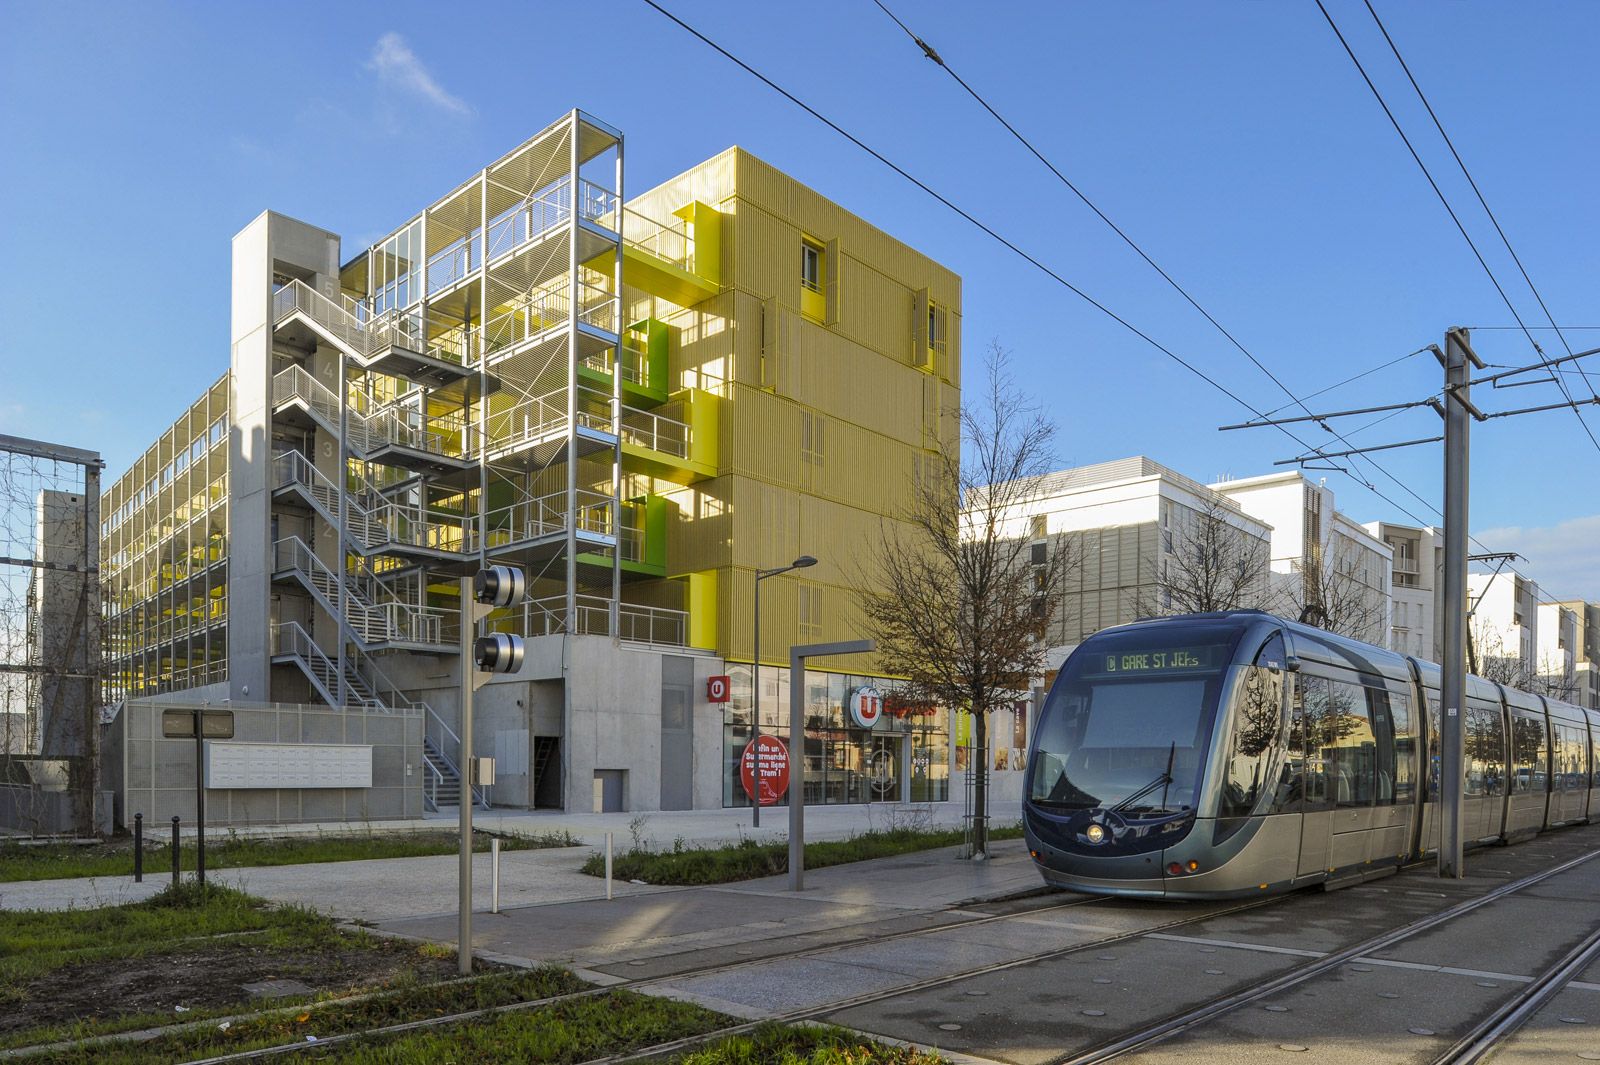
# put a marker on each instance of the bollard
(138, 848)
(174, 850)
(608, 867)
(494, 874)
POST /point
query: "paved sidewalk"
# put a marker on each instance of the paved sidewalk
(644, 925)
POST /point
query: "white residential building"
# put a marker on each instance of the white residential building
(1586, 645)
(1503, 626)
(1320, 557)
(1414, 595)
(1558, 649)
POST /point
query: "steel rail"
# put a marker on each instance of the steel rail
(809, 1013)
(1215, 1008)
(1496, 1028)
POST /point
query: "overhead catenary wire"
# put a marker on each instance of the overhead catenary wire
(1039, 265)
(1484, 203)
(1445, 201)
(1356, 453)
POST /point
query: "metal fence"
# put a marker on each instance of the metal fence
(51, 648)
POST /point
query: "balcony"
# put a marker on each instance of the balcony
(536, 528)
(537, 427)
(636, 623)
(679, 260)
(677, 441)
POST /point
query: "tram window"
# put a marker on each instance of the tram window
(1382, 746)
(1315, 699)
(1433, 747)
(1485, 751)
(1273, 654)
(1351, 745)
(1405, 747)
(1527, 755)
(1291, 779)
(1256, 718)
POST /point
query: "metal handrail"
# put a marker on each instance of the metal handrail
(638, 622)
(386, 521)
(540, 416)
(537, 516)
(668, 241)
(655, 432)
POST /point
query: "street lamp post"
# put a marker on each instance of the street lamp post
(802, 562)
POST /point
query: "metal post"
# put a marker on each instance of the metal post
(1453, 682)
(464, 895)
(494, 866)
(175, 858)
(797, 738)
(608, 867)
(755, 713)
(200, 795)
(138, 848)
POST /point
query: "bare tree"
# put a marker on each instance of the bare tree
(1331, 595)
(1214, 564)
(958, 595)
(1489, 658)
(1557, 678)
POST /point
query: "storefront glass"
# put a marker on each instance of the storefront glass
(904, 757)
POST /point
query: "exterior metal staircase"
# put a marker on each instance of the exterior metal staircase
(377, 525)
(367, 687)
(371, 612)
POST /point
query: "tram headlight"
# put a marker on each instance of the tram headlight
(1095, 834)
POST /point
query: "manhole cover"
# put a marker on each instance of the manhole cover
(1293, 1048)
(277, 989)
(949, 1028)
(1276, 1009)
(1094, 1013)
(1420, 1031)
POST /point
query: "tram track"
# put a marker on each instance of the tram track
(810, 1013)
(620, 983)
(1483, 1039)
(1496, 1030)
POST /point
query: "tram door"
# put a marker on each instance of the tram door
(1316, 821)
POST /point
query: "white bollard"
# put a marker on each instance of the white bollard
(494, 877)
(608, 867)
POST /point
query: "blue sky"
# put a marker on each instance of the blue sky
(1235, 141)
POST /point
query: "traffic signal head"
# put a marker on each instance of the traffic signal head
(498, 653)
(500, 586)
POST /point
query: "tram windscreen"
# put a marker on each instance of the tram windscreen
(1127, 706)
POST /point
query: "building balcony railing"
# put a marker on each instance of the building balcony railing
(655, 432)
(541, 214)
(545, 516)
(636, 623)
(1405, 565)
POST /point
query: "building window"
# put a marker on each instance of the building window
(810, 266)
(812, 438)
(810, 613)
(938, 328)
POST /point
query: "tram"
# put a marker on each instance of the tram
(1230, 754)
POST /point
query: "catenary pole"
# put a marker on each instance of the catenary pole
(1458, 360)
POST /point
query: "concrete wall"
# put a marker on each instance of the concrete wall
(269, 245)
(158, 775)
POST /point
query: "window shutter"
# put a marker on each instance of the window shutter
(919, 328)
(832, 267)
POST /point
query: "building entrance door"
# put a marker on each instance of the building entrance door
(883, 769)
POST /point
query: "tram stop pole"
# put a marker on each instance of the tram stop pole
(797, 744)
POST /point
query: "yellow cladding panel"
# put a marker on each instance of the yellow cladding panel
(763, 436)
(702, 605)
(830, 373)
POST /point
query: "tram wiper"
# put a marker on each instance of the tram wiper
(1161, 782)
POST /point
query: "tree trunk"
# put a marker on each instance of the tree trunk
(980, 789)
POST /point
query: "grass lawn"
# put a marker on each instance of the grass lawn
(51, 861)
(750, 858)
(182, 955)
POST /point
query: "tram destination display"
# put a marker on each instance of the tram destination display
(1157, 660)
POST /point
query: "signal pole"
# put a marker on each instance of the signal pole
(1458, 359)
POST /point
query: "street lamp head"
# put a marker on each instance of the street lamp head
(803, 562)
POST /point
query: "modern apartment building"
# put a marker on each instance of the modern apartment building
(640, 400)
(1325, 565)
(1418, 588)
(1556, 652)
(1503, 627)
(1127, 523)
(1586, 651)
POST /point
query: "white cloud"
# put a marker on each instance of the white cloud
(1563, 558)
(398, 67)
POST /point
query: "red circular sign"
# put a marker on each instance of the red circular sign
(774, 769)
